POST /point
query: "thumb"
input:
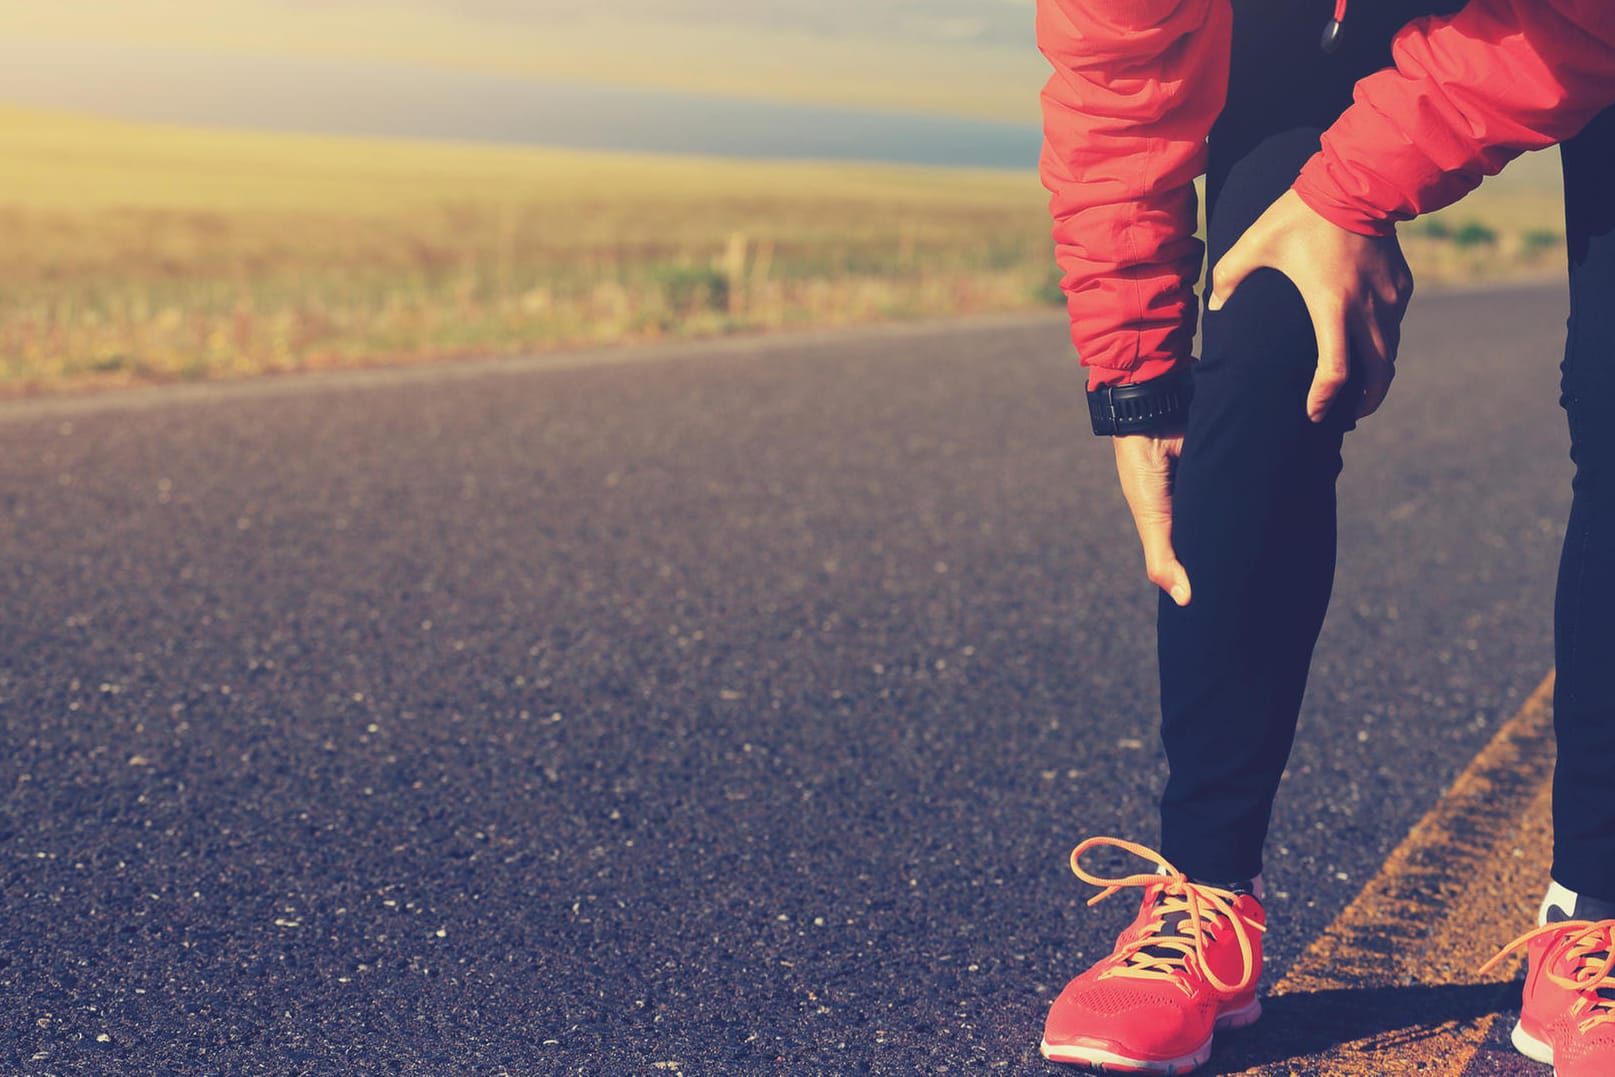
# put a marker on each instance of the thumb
(1179, 579)
(1230, 271)
(1161, 561)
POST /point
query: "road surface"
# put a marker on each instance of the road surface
(708, 708)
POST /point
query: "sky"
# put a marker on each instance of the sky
(984, 22)
(968, 58)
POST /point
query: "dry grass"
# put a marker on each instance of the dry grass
(139, 252)
(142, 253)
(1489, 237)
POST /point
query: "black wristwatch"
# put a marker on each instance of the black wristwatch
(1157, 406)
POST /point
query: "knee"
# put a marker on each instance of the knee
(1263, 329)
(1264, 326)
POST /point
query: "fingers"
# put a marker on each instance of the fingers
(1376, 386)
(1374, 345)
(1334, 365)
(1145, 465)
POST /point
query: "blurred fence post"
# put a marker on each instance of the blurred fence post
(734, 271)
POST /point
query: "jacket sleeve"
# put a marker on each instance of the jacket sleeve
(1467, 94)
(1136, 86)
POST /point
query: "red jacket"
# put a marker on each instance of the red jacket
(1137, 84)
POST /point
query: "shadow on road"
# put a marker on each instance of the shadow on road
(1298, 1028)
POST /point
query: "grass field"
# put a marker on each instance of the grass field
(142, 253)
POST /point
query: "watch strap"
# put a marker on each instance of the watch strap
(1157, 406)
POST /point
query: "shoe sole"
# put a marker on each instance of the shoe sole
(1103, 1061)
(1531, 1047)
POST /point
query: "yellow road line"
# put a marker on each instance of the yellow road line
(1390, 987)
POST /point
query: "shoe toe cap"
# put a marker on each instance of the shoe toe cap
(1136, 1020)
(1584, 1054)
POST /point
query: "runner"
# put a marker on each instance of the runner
(1234, 497)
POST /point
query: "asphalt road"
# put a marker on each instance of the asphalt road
(719, 708)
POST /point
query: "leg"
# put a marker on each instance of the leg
(1565, 1019)
(1254, 525)
(1584, 626)
(1254, 509)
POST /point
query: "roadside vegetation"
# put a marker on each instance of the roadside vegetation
(141, 253)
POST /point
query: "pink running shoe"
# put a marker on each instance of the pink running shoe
(1186, 966)
(1568, 1016)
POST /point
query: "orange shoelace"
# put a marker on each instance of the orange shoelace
(1591, 946)
(1165, 953)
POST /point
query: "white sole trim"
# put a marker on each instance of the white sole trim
(1244, 1017)
(1096, 1058)
(1531, 1047)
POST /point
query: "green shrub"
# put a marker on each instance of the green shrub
(692, 288)
(1049, 291)
(1539, 241)
(1474, 234)
(1436, 228)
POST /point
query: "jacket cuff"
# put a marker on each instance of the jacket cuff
(1328, 201)
(1146, 370)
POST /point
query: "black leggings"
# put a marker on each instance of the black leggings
(1254, 504)
(1584, 623)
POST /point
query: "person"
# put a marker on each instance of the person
(1229, 463)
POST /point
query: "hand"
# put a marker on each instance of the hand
(1356, 289)
(1146, 465)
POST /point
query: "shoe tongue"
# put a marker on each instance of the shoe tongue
(1174, 924)
(1566, 904)
(1593, 909)
(1246, 887)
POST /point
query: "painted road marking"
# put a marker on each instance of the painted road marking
(1390, 987)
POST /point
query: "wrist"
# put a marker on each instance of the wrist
(1157, 406)
(1313, 188)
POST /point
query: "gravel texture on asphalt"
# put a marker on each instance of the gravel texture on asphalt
(730, 712)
